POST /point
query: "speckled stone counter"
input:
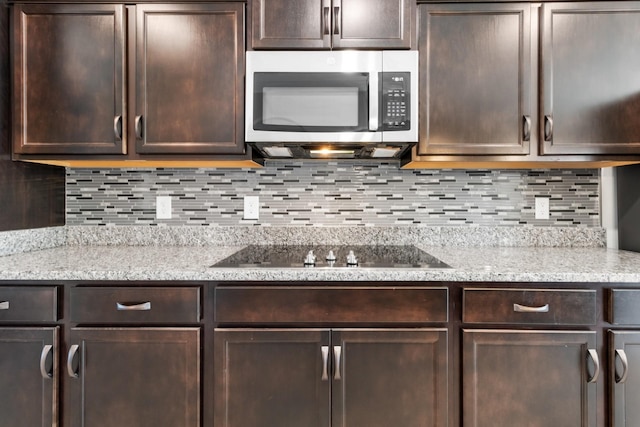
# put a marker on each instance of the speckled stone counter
(187, 253)
(185, 263)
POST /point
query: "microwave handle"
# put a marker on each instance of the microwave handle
(374, 94)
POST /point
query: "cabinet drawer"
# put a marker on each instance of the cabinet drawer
(624, 307)
(530, 306)
(28, 304)
(322, 305)
(135, 305)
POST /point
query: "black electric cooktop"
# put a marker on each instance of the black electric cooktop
(331, 256)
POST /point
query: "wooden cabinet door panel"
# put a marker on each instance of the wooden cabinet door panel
(528, 378)
(591, 78)
(625, 380)
(475, 79)
(189, 85)
(134, 377)
(27, 397)
(390, 377)
(267, 378)
(68, 72)
(375, 24)
(338, 24)
(291, 24)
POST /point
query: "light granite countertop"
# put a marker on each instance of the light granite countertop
(193, 263)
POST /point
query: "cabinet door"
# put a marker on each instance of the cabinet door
(475, 79)
(387, 378)
(591, 78)
(267, 378)
(28, 358)
(189, 79)
(291, 24)
(529, 378)
(375, 24)
(133, 377)
(625, 378)
(68, 79)
(323, 24)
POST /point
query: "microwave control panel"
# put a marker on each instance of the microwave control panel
(395, 103)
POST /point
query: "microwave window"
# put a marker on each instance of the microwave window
(310, 106)
(311, 102)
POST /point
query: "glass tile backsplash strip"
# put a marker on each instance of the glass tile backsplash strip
(334, 194)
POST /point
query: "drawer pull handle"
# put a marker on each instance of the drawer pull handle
(325, 362)
(337, 353)
(143, 306)
(622, 355)
(73, 373)
(518, 308)
(4, 305)
(593, 355)
(46, 374)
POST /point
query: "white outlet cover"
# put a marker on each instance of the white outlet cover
(163, 207)
(542, 208)
(251, 207)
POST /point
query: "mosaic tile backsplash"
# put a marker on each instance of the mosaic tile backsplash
(301, 193)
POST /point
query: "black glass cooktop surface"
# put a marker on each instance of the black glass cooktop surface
(331, 256)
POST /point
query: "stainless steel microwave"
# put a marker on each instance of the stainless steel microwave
(334, 104)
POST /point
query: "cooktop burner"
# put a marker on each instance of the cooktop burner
(331, 256)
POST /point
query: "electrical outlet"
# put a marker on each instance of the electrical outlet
(163, 207)
(542, 208)
(251, 207)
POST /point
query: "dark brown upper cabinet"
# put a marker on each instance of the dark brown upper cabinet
(189, 79)
(135, 80)
(475, 79)
(68, 79)
(590, 78)
(326, 24)
(486, 67)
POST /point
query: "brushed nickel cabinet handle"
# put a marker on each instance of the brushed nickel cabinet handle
(518, 308)
(117, 128)
(337, 353)
(325, 362)
(70, 357)
(327, 21)
(142, 306)
(548, 128)
(4, 305)
(526, 128)
(596, 365)
(138, 124)
(622, 355)
(336, 20)
(43, 362)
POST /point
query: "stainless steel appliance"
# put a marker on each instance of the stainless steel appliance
(332, 104)
(331, 256)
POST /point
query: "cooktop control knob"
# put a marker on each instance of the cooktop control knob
(352, 261)
(310, 260)
(331, 259)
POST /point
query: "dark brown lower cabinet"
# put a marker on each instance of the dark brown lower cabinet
(28, 377)
(133, 377)
(323, 377)
(529, 378)
(625, 378)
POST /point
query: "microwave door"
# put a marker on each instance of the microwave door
(315, 107)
